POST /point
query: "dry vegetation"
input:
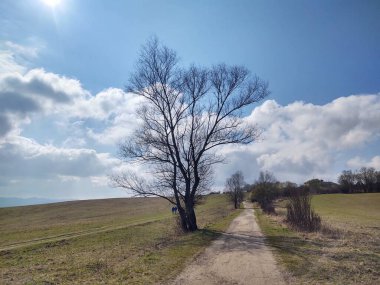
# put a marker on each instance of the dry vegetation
(116, 241)
(28, 224)
(345, 251)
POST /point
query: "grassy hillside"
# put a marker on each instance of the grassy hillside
(25, 224)
(114, 241)
(346, 251)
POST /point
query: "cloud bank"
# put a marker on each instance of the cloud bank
(52, 129)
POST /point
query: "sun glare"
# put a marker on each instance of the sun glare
(52, 3)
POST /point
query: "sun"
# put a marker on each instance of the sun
(52, 3)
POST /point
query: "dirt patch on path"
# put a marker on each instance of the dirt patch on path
(239, 256)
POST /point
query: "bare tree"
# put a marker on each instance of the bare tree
(266, 178)
(187, 114)
(347, 180)
(366, 178)
(234, 188)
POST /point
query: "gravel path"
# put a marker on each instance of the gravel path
(239, 256)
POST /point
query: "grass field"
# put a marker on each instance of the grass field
(113, 241)
(20, 225)
(346, 251)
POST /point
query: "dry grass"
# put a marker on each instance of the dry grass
(146, 253)
(345, 251)
(41, 222)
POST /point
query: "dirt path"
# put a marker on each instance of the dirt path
(239, 256)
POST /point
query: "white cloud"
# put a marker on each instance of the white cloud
(358, 162)
(8, 63)
(25, 51)
(100, 181)
(302, 141)
(113, 109)
(104, 105)
(15, 57)
(37, 84)
(68, 178)
(22, 157)
(299, 141)
(107, 117)
(61, 107)
(36, 91)
(344, 123)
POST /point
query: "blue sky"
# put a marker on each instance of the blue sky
(319, 57)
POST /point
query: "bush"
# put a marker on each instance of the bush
(299, 212)
(264, 195)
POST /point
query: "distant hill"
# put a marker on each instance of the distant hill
(13, 201)
(318, 186)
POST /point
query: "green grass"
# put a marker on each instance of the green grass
(146, 253)
(346, 251)
(353, 209)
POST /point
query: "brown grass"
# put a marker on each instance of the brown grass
(345, 251)
(140, 252)
(61, 220)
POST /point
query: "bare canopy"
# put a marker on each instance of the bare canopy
(186, 115)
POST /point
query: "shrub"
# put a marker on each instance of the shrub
(264, 195)
(299, 212)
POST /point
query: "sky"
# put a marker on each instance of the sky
(63, 68)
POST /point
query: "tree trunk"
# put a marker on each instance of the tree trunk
(188, 218)
(191, 218)
(182, 214)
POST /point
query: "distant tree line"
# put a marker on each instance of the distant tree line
(266, 189)
(364, 180)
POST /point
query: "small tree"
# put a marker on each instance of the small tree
(265, 190)
(314, 185)
(234, 188)
(347, 181)
(367, 179)
(377, 185)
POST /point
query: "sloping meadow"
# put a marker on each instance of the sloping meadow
(115, 242)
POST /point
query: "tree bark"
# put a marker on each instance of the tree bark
(188, 218)
(192, 220)
(182, 214)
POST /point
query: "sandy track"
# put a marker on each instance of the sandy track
(239, 256)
